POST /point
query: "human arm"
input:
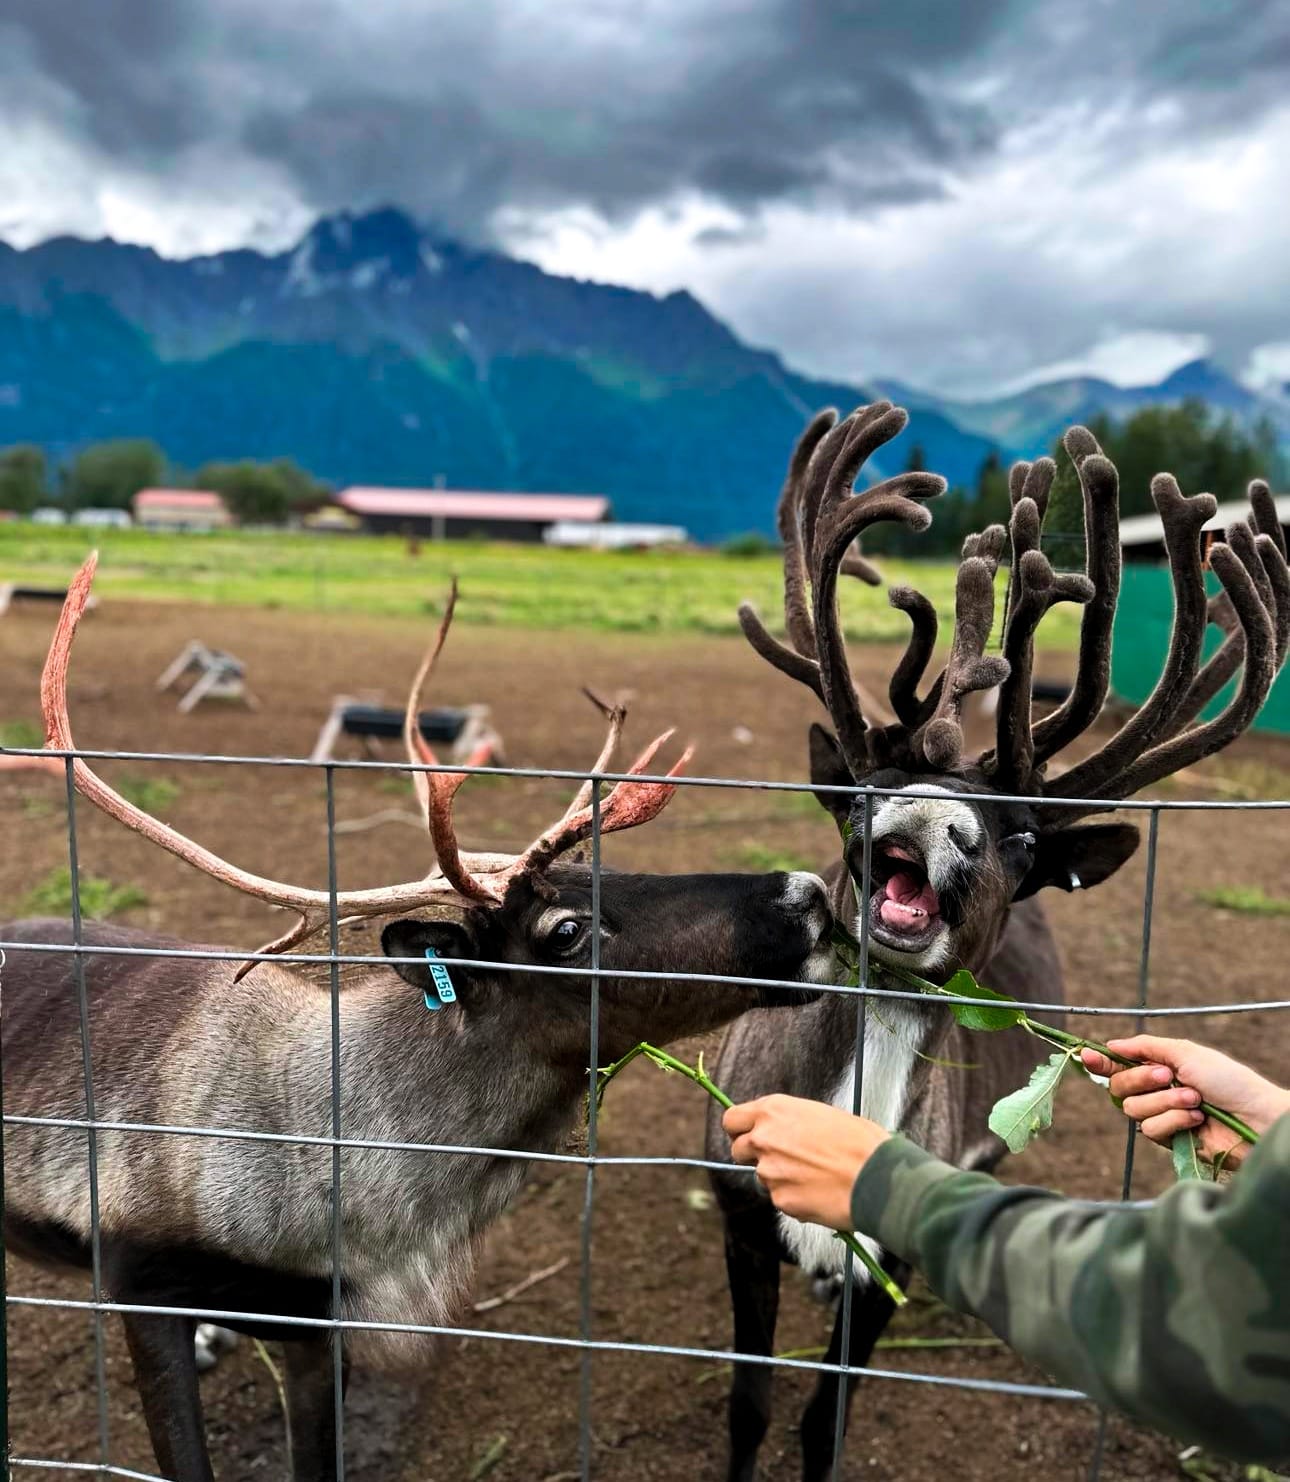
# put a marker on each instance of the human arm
(1164, 1093)
(1176, 1314)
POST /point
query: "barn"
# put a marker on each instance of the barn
(180, 509)
(453, 514)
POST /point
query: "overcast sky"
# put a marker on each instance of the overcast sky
(965, 194)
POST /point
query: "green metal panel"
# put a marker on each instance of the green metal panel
(1142, 623)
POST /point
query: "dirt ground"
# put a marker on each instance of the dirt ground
(509, 1411)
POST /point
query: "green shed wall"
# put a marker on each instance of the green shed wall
(1142, 623)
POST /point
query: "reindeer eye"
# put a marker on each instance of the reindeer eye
(565, 935)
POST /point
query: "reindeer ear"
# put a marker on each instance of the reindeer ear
(829, 769)
(410, 938)
(1079, 858)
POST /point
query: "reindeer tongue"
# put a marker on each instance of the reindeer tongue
(907, 903)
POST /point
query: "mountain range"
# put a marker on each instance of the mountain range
(1026, 423)
(378, 352)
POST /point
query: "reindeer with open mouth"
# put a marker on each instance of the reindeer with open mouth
(959, 847)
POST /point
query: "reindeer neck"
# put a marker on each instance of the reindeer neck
(901, 1037)
(501, 1071)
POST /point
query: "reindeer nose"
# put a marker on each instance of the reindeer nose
(964, 843)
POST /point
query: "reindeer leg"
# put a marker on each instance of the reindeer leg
(165, 1373)
(871, 1310)
(311, 1407)
(752, 1267)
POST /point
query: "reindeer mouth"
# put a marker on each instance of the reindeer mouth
(904, 908)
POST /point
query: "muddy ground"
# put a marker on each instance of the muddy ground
(509, 1411)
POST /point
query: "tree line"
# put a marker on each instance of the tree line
(108, 475)
(1205, 453)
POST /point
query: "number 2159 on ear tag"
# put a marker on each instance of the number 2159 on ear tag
(441, 982)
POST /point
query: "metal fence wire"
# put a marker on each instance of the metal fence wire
(586, 1343)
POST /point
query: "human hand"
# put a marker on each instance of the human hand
(1164, 1094)
(807, 1154)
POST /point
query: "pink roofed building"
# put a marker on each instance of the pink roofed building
(180, 509)
(447, 514)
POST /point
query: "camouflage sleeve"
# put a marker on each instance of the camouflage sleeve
(1176, 1314)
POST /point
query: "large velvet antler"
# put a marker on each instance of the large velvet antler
(481, 878)
(1033, 588)
(1186, 747)
(940, 739)
(1182, 518)
(798, 659)
(1252, 609)
(821, 520)
(1100, 485)
(820, 517)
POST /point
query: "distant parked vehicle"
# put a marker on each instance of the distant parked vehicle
(584, 535)
(49, 515)
(117, 519)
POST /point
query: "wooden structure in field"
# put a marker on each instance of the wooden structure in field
(455, 734)
(220, 676)
(11, 591)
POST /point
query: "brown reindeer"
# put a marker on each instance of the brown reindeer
(234, 1225)
(953, 880)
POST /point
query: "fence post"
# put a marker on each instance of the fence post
(91, 1131)
(337, 1212)
(4, 1280)
(1130, 1144)
(589, 1196)
(857, 1096)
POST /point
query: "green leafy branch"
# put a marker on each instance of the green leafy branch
(1023, 1113)
(699, 1076)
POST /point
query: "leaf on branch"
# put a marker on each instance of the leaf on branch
(1188, 1162)
(972, 1016)
(1021, 1114)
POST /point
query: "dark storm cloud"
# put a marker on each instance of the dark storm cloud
(458, 109)
(123, 68)
(1039, 150)
(470, 107)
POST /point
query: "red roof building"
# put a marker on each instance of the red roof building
(180, 509)
(460, 514)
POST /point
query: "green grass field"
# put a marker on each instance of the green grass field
(506, 585)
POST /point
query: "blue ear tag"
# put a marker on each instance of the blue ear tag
(444, 992)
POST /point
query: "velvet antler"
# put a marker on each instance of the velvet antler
(1100, 485)
(1033, 588)
(1182, 518)
(940, 739)
(835, 517)
(820, 522)
(799, 661)
(820, 517)
(1253, 610)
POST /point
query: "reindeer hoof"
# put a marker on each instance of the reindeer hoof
(210, 1343)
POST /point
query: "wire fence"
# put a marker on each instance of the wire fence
(586, 1343)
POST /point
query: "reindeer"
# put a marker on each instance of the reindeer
(246, 1227)
(953, 881)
